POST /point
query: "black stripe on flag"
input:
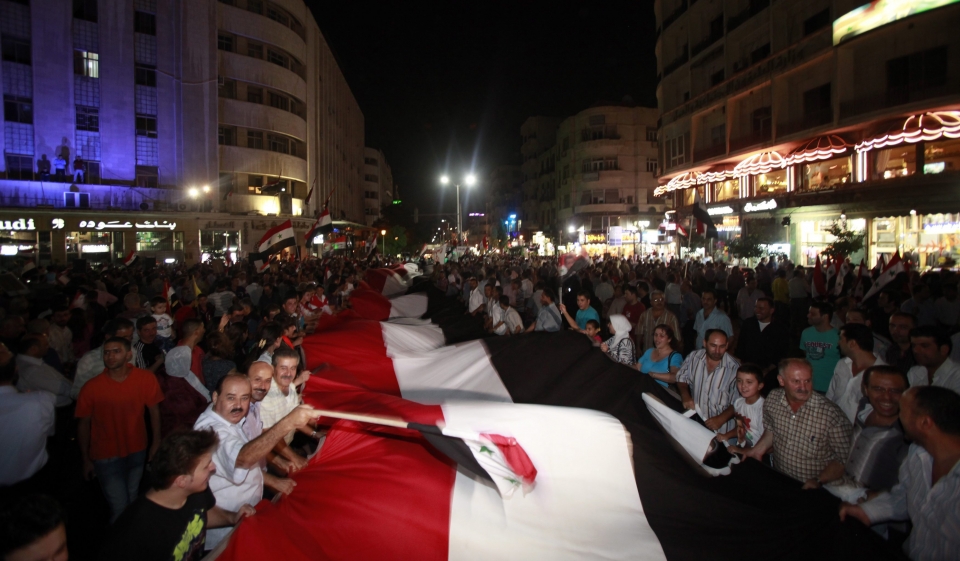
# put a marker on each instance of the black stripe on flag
(679, 501)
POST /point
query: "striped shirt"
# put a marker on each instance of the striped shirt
(548, 319)
(712, 391)
(931, 508)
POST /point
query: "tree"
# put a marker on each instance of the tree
(845, 243)
(747, 246)
(395, 241)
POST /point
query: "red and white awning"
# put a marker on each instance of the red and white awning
(820, 148)
(691, 178)
(923, 127)
(764, 162)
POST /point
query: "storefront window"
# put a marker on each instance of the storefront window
(941, 156)
(772, 183)
(899, 161)
(219, 244)
(688, 194)
(160, 241)
(95, 247)
(726, 190)
(825, 174)
(815, 237)
(18, 246)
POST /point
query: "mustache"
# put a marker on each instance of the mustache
(237, 410)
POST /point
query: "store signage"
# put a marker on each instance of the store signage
(719, 210)
(219, 225)
(595, 238)
(117, 225)
(17, 225)
(615, 236)
(879, 13)
(764, 205)
(942, 227)
(14, 249)
(97, 248)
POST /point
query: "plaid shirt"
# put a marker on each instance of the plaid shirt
(805, 441)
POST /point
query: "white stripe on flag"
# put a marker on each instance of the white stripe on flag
(461, 371)
(408, 305)
(599, 516)
(400, 339)
(394, 284)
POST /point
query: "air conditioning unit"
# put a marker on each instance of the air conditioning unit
(76, 200)
(183, 207)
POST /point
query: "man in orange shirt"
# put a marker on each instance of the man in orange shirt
(112, 433)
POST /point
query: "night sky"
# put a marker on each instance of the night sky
(445, 85)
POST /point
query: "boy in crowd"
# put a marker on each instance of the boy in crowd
(158, 309)
(748, 408)
(593, 332)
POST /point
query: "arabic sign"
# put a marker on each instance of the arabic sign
(596, 238)
(719, 210)
(117, 225)
(764, 205)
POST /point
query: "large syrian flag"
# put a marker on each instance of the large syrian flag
(362, 496)
(376, 492)
(890, 272)
(372, 304)
(702, 216)
(275, 240)
(387, 281)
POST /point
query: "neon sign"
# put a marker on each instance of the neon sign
(765, 205)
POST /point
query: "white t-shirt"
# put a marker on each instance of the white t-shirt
(751, 414)
(164, 325)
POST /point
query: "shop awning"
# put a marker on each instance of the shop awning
(820, 148)
(923, 127)
(691, 178)
(764, 162)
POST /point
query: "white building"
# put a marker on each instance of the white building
(174, 105)
(377, 184)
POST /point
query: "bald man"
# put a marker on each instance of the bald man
(240, 477)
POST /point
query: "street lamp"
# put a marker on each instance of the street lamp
(193, 192)
(469, 180)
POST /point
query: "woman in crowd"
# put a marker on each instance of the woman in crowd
(620, 346)
(662, 361)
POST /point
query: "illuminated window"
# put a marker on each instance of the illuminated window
(86, 64)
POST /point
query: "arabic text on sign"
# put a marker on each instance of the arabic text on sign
(596, 238)
(719, 210)
(100, 248)
(765, 205)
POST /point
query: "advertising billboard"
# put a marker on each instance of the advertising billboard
(879, 13)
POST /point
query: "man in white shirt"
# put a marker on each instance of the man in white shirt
(856, 345)
(476, 301)
(239, 478)
(747, 298)
(508, 322)
(282, 398)
(38, 375)
(931, 350)
(26, 420)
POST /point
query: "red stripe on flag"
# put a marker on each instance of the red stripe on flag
(274, 231)
(515, 456)
(370, 304)
(348, 341)
(377, 278)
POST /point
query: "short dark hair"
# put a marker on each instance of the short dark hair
(710, 332)
(235, 308)
(711, 291)
(504, 300)
(905, 315)
(938, 335)
(585, 293)
(118, 324)
(630, 288)
(824, 308)
(178, 455)
(145, 321)
(221, 381)
(768, 300)
(884, 369)
(940, 404)
(121, 340)
(549, 293)
(752, 369)
(190, 327)
(284, 352)
(594, 323)
(27, 343)
(26, 520)
(860, 334)
(158, 300)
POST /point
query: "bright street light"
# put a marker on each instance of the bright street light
(383, 232)
(444, 179)
(571, 229)
(193, 192)
(470, 180)
(206, 188)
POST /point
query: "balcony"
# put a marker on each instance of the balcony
(706, 42)
(45, 194)
(677, 62)
(675, 15)
(755, 7)
(893, 98)
(707, 152)
(751, 139)
(809, 121)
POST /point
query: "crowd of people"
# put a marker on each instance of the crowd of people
(177, 390)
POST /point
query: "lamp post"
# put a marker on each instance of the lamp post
(469, 180)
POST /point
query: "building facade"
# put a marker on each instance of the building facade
(590, 181)
(202, 113)
(789, 117)
(377, 184)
